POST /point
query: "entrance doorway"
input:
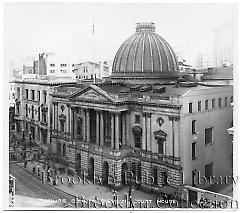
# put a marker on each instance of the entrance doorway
(91, 169)
(105, 173)
(124, 173)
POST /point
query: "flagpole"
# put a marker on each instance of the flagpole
(93, 32)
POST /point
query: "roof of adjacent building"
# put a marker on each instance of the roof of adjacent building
(219, 73)
(145, 54)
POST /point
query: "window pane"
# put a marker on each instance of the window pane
(208, 136)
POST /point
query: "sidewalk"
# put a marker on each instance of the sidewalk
(89, 191)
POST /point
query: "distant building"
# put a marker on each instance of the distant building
(52, 65)
(184, 67)
(223, 45)
(11, 96)
(204, 60)
(217, 75)
(88, 71)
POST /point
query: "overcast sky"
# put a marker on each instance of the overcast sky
(66, 28)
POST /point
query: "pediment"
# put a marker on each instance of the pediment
(160, 134)
(93, 93)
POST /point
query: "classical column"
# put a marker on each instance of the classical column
(87, 126)
(148, 127)
(124, 129)
(128, 130)
(112, 130)
(144, 131)
(101, 129)
(173, 147)
(176, 136)
(84, 124)
(97, 128)
(117, 131)
(75, 123)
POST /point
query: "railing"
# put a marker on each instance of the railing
(125, 151)
(61, 135)
(155, 156)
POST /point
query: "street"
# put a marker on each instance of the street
(29, 185)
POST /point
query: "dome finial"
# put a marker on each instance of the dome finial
(145, 26)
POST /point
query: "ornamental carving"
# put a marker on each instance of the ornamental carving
(160, 121)
(62, 107)
(62, 118)
(44, 108)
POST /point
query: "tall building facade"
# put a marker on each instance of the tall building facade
(205, 60)
(223, 45)
(33, 111)
(144, 123)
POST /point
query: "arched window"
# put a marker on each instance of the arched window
(64, 149)
(137, 132)
(79, 128)
(155, 176)
(59, 148)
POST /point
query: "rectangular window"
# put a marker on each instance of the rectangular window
(193, 127)
(193, 177)
(18, 92)
(62, 126)
(193, 150)
(33, 94)
(219, 102)
(225, 101)
(18, 109)
(231, 99)
(38, 95)
(26, 106)
(199, 106)
(137, 119)
(18, 126)
(44, 97)
(32, 112)
(209, 170)
(208, 136)
(206, 105)
(155, 176)
(137, 141)
(26, 94)
(52, 65)
(213, 103)
(190, 107)
(160, 144)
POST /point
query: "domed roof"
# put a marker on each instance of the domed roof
(145, 54)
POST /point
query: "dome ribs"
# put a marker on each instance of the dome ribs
(151, 53)
(142, 61)
(138, 55)
(158, 51)
(122, 51)
(134, 55)
(173, 57)
(145, 56)
(130, 48)
(166, 55)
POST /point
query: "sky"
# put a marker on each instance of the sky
(66, 28)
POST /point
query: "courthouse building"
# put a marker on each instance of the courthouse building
(146, 119)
